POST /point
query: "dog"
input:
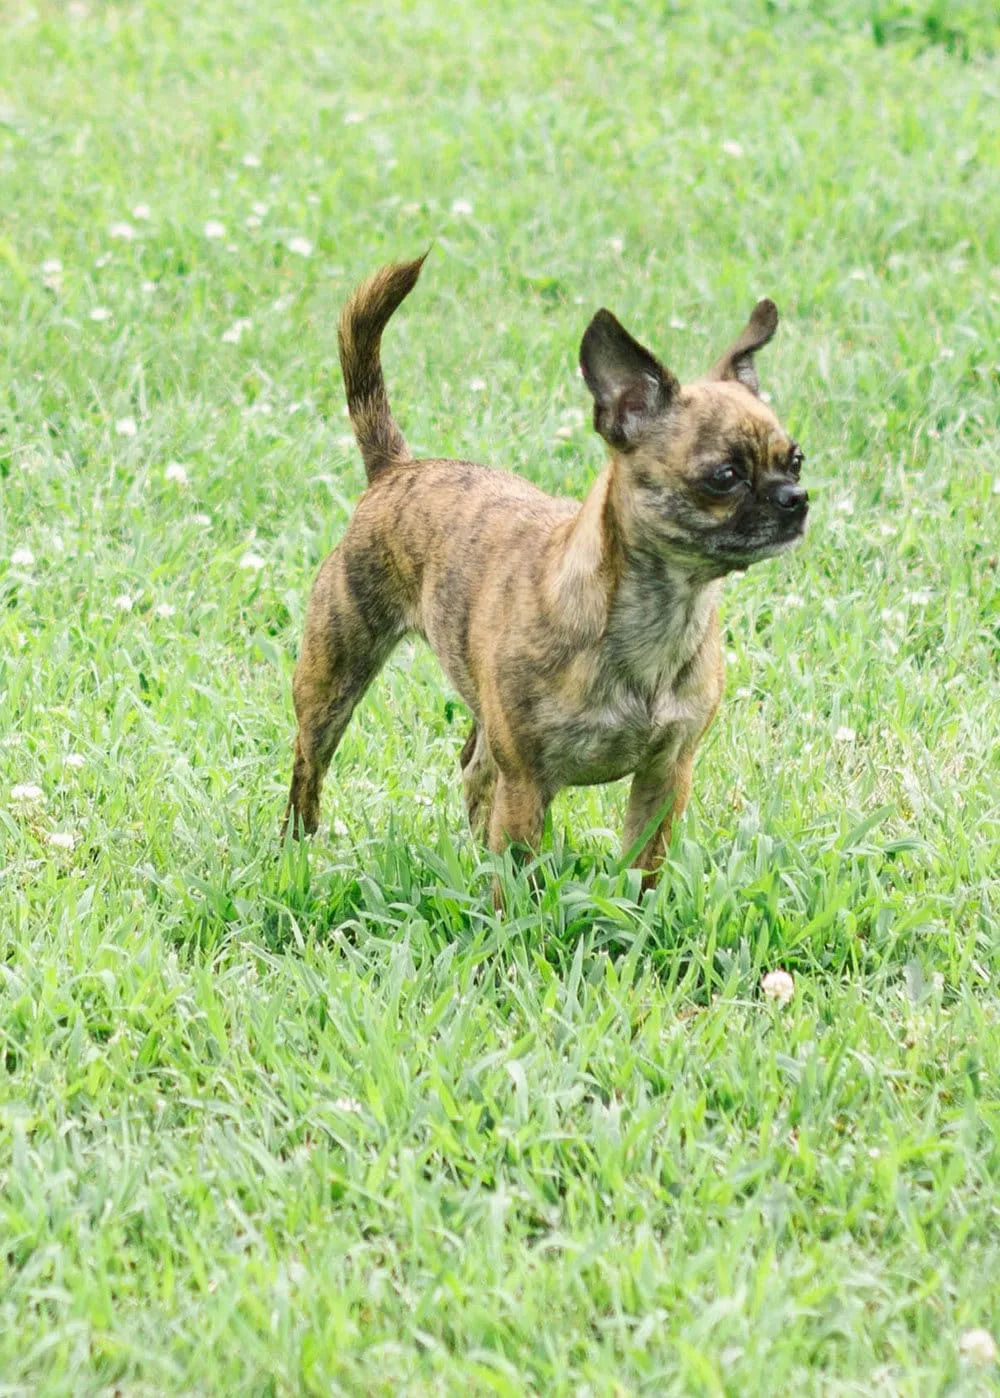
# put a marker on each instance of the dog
(584, 638)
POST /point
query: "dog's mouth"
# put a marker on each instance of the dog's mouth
(792, 528)
(777, 537)
(715, 548)
(778, 546)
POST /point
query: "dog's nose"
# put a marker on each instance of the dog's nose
(791, 497)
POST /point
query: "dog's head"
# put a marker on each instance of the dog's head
(708, 474)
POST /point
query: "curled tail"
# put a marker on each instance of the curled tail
(360, 336)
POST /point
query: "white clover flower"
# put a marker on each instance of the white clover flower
(353, 118)
(844, 506)
(123, 602)
(141, 211)
(978, 1346)
(76, 760)
(175, 472)
(677, 324)
(149, 288)
(100, 313)
(733, 148)
(259, 208)
(214, 229)
(52, 273)
(302, 247)
(125, 427)
(164, 609)
(251, 161)
(253, 562)
(60, 839)
(477, 385)
(778, 985)
(22, 558)
(462, 207)
(103, 260)
(252, 221)
(844, 734)
(26, 794)
(616, 244)
(234, 334)
(347, 1104)
(122, 230)
(340, 829)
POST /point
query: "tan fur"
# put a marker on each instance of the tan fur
(583, 637)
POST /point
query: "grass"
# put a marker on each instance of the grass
(276, 1121)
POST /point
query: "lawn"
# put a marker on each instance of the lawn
(282, 1121)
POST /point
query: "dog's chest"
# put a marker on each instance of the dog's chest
(613, 736)
(642, 698)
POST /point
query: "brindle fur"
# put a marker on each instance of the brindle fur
(583, 637)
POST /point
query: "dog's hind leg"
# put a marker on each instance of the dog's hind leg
(352, 625)
(479, 779)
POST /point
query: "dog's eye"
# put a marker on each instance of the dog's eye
(795, 463)
(723, 479)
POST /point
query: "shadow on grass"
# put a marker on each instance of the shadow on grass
(834, 900)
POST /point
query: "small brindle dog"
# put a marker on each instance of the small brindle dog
(583, 637)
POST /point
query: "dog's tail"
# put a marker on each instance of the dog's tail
(360, 336)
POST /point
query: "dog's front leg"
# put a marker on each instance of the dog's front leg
(517, 818)
(659, 792)
(479, 778)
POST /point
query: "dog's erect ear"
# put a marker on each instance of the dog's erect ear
(737, 362)
(631, 388)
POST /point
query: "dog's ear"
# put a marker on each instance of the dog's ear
(737, 362)
(631, 387)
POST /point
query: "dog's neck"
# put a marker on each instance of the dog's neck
(650, 613)
(658, 619)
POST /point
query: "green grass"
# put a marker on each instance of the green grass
(283, 1121)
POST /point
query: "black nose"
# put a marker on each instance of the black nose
(791, 497)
